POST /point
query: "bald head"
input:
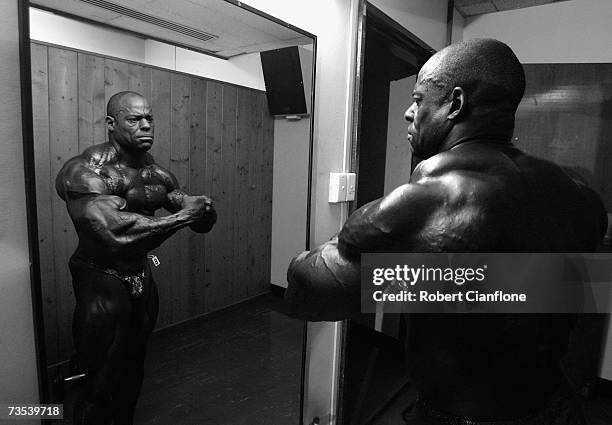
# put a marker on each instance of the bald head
(120, 101)
(487, 69)
(129, 121)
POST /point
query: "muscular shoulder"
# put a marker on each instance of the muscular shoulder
(80, 175)
(447, 194)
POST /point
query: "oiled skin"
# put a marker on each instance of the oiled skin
(480, 196)
(112, 207)
(111, 200)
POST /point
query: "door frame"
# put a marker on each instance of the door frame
(403, 39)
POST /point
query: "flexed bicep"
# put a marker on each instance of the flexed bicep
(324, 284)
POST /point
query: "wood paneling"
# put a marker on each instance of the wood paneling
(566, 117)
(160, 98)
(92, 103)
(64, 144)
(217, 291)
(44, 194)
(216, 138)
(227, 196)
(197, 184)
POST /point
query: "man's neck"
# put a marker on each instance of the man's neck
(468, 131)
(128, 158)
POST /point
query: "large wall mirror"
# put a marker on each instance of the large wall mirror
(231, 92)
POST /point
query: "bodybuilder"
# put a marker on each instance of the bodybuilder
(112, 191)
(474, 192)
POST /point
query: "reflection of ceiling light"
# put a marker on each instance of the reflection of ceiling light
(169, 25)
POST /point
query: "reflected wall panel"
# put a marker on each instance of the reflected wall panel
(566, 117)
(215, 137)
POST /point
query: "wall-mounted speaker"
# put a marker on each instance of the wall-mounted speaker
(284, 84)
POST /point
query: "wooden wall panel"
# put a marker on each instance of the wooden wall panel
(216, 292)
(226, 205)
(253, 159)
(116, 76)
(160, 101)
(92, 102)
(44, 196)
(139, 79)
(566, 117)
(241, 212)
(179, 165)
(265, 218)
(64, 144)
(216, 138)
(197, 174)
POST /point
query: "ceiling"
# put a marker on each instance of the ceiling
(479, 7)
(210, 26)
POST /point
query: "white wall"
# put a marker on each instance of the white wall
(565, 32)
(18, 380)
(289, 195)
(424, 18)
(290, 183)
(399, 155)
(458, 25)
(244, 70)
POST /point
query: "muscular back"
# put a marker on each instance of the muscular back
(495, 198)
(476, 197)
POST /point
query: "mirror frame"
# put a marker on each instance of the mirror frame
(30, 177)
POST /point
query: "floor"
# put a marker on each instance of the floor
(597, 410)
(242, 366)
(238, 367)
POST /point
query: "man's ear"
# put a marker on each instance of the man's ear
(457, 103)
(110, 123)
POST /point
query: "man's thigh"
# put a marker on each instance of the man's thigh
(102, 319)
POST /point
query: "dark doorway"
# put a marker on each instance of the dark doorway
(390, 53)
(373, 369)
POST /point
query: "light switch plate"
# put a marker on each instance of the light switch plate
(350, 186)
(337, 187)
(341, 187)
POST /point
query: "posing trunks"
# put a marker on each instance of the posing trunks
(134, 283)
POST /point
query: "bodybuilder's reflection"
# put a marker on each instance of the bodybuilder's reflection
(475, 192)
(112, 191)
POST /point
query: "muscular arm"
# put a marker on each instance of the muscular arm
(100, 215)
(178, 200)
(324, 284)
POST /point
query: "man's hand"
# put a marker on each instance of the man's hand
(201, 208)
